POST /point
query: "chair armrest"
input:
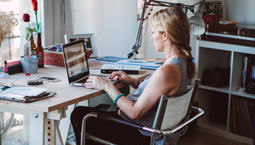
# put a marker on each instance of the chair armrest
(106, 118)
(199, 113)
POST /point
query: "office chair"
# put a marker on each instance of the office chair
(168, 120)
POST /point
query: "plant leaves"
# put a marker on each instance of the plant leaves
(28, 35)
(28, 30)
(33, 29)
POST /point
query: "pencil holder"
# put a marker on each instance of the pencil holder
(29, 65)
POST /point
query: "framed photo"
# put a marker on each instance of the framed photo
(89, 41)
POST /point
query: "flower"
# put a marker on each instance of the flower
(26, 18)
(34, 4)
(29, 31)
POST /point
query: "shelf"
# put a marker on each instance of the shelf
(209, 55)
(243, 94)
(221, 89)
(226, 47)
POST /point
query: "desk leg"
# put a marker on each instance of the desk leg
(52, 134)
(36, 136)
(65, 123)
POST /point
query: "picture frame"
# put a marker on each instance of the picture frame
(88, 38)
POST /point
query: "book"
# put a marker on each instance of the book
(143, 64)
(111, 58)
(129, 69)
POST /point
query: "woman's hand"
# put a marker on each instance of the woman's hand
(121, 76)
(96, 82)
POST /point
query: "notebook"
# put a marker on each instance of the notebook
(129, 69)
(111, 58)
(76, 63)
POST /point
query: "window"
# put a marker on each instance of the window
(13, 44)
(10, 49)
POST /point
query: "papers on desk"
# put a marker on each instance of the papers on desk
(111, 58)
(25, 94)
(141, 63)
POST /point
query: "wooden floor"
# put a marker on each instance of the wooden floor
(201, 138)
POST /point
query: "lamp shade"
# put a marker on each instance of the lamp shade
(197, 25)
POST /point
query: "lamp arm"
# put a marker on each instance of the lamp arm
(138, 40)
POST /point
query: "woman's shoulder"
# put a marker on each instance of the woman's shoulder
(167, 70)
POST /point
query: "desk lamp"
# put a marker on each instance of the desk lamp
(197, 25)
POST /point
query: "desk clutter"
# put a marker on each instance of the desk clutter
(25, 94)
(12, 67)
(118, 61)
(53, 55)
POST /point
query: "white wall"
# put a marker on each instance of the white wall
(147, 49)
(113, 23)
(241, 11)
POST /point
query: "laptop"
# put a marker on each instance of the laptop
(76, 63)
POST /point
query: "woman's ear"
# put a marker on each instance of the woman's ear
(165, 35)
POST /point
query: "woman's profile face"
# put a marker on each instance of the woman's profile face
(158, 39)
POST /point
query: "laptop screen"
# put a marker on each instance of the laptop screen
(75, 60)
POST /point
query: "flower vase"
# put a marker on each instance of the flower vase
(39, 50)
(29, 62)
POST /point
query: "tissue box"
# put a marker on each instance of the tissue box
(57, 58)
(54, 58)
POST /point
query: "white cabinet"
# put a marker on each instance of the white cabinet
(208, 56)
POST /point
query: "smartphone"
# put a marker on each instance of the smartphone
(50, 79)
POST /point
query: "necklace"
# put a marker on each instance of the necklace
(173, 55)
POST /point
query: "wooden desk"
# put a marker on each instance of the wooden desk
(45, 114)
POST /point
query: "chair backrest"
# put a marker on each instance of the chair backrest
(171, 111)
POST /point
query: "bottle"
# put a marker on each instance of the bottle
(33, 46)
(39, 50)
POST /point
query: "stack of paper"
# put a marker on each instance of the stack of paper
(25, 94)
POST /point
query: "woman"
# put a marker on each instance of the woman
(171, 35)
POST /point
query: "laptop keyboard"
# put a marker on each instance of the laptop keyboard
(100, 75)
(82, 81)
(85, 79)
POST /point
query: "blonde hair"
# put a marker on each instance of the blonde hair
(175, 22)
